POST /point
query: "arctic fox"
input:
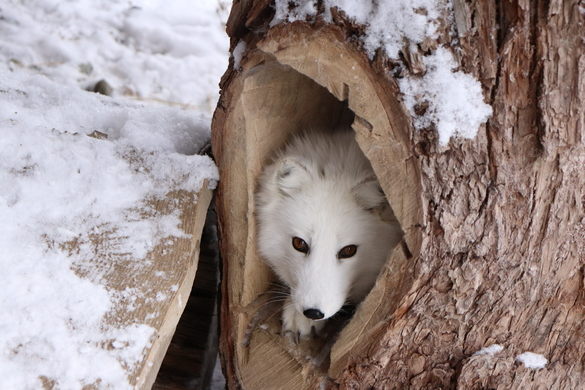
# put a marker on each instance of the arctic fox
(324, 226)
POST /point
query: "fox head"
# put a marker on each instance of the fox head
(320, 229)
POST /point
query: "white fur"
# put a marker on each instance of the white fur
(321, 188)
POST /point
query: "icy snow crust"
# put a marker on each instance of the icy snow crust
(454, 99)
(76, 165)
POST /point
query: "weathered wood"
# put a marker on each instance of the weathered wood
(158, 289)
(192, 353)
(179, 265)
(494, 248)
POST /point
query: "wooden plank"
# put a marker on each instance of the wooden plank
(154, 291)
(181, 264)
(192, 354)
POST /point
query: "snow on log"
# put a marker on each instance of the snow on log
(103, 202)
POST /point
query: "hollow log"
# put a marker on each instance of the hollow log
(494, 226)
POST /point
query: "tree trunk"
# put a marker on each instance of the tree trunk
(494, 245)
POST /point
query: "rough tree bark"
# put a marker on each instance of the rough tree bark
(494, 249)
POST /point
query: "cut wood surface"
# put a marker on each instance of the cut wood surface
(192, 355)
(158, 289)
(494, 245)
(179, 264)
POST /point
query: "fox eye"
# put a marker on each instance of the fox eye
(300, 245)
(347, 251)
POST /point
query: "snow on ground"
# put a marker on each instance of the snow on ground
(532, 360)
(454, 99)
(75, 164)
(152, 49)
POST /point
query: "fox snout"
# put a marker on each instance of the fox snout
(317, 302)
(314, 314)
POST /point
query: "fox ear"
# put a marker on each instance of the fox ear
(368, 194)
(291, 175)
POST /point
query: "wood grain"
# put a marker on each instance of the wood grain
(155, 291)
(179, 264)
(192, 354)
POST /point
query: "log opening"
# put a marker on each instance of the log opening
(288, 83)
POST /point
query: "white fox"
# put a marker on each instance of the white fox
(324, 226)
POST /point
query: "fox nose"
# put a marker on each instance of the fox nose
(314, 314)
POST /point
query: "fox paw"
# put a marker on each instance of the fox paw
(296, 326)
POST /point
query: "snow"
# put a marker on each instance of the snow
(75, 165)
(454, 98)
(389, 22)
(293, 10)
(150, 49)
(532, 360)
(62, 186)
(491, 350)
(238, 52)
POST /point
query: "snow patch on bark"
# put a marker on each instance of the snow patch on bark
(491, 350)
(532, 360)
(389, 22)
(453, 99)
(238, 53)
(293, 10)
